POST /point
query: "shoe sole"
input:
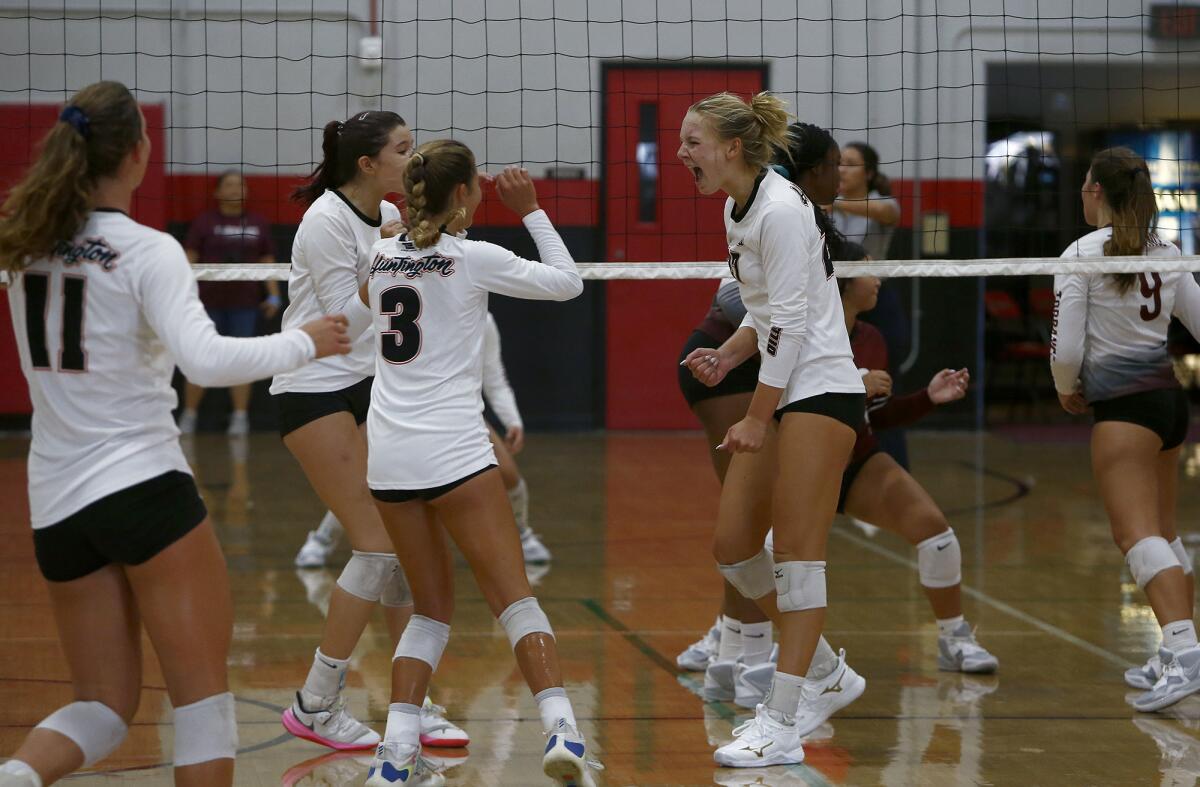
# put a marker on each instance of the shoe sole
(444, 743)
(952, 667)
(293, 725)
(566, 771)
(849, 694)
(691, 666)
(1169, 700)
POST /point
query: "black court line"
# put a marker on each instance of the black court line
(1021, 489)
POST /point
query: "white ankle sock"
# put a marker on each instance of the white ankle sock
(756, 642)
(948, 626)
(330, 528)
(1179, 635)
(784, 695)
(731, 639)
(326, 676)
(823, 662)
(518, 497)
(553, 705)
(403, 725)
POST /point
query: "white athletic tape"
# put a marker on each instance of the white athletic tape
(523, 618)
(424, 639)
(752, 577)
(939, 561)
(800, 585)
(1148, 557)
(1012, 266)
(367, 574)
(94, 727)
(205, 731)
(1181, 554)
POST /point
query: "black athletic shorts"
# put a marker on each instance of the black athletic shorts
(849, 408)
(127, 528)
(1164, 412)
(298, 409)
(848, 477)
(408, 495)
(740, 380)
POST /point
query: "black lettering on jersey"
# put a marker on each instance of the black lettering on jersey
(827, 257)
(411, 267)
(733, 261)
(773, 340)
(1151, 288)
(94, 250)
(1054, 325)
(401, 342)
(71, 355)
(799, 191)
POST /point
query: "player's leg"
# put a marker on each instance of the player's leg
(476, 516)
(183, 596)
(332, 451)
(100, 634)
(518, 497)
(883, 493)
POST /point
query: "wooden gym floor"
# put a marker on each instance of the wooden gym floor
(628, 519)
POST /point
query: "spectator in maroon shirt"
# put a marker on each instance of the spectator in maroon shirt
(229, 234)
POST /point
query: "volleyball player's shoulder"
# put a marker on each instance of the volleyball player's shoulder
(1090, 245)
(388, 211)
(1160, 247)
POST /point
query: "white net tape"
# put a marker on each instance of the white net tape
(1017, 266)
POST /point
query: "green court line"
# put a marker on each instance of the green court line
(810, 775)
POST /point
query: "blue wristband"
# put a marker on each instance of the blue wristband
(274, 300)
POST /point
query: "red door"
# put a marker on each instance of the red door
(654, 213)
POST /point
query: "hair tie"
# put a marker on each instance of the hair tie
(77, 119)
(340, 127)
(1133, 172)
(418, 158)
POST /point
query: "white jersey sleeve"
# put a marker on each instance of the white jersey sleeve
(333, 258)
(1069, 330)
(496, 388)
(167, 294)
(496, 269)
(785, 237)
(1187, 304)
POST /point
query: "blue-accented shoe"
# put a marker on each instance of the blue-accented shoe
(396, 765)
(566, 759)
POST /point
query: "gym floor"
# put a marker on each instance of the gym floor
(628, 518)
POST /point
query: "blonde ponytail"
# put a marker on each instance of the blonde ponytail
(761, 124)
(430, 177)
(1125, 179)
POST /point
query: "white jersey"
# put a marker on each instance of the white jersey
(425, 427)
(100, 326)
(496, 388)
(779, 259)
(1116, 344)
(330, 257)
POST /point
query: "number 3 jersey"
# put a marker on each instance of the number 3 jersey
(100, 325)
(425, 426)
(785, 275)
(1114, 343)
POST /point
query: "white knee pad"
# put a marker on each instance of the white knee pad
(206, 730)
(939, 561)
(753, 578)
(367, 574)
(424, 639)
(523, 618)
(94, 727)
(800, 585)
(1148, 557)
(1181, 554)
(396, 592)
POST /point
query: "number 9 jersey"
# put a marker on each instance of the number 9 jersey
(1116, 343)
(425, 426)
